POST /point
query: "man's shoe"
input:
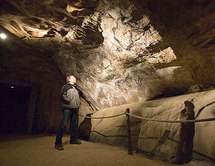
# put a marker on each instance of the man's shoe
(75, 142)
(59, 147)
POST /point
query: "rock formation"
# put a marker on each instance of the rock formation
(146, 134)
(120, 51)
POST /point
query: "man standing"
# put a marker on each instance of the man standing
(70, 104)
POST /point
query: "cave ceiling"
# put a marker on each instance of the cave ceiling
(121, 51)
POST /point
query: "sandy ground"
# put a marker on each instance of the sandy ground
(40, 151)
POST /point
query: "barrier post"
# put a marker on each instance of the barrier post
(129, 131)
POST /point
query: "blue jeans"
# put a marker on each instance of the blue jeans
(72, 114)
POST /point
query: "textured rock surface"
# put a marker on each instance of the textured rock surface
(121, 51)
(145, 134)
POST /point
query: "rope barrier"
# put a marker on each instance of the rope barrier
(113, 116)
(128, 114)
(173, 121)
(150, 119)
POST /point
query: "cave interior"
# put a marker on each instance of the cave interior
(120, 51)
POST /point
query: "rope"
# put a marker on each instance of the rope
(150, 119)
(113, 116)
(172, 121)
(200, 110)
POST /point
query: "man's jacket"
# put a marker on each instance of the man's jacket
(70, 96)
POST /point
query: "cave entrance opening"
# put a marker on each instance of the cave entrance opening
(15, 103)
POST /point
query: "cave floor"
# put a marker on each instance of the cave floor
(37, 150)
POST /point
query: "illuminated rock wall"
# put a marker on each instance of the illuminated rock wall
(121, 51)
(146, 134)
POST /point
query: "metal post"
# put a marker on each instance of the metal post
(128, 131)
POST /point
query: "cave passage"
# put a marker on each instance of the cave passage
(13, 108)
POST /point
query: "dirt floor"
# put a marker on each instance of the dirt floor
(40, 151)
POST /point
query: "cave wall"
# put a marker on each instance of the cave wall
(146, 135)
(188, 31)
(150, 49)
(121, 51)
(27, 66)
